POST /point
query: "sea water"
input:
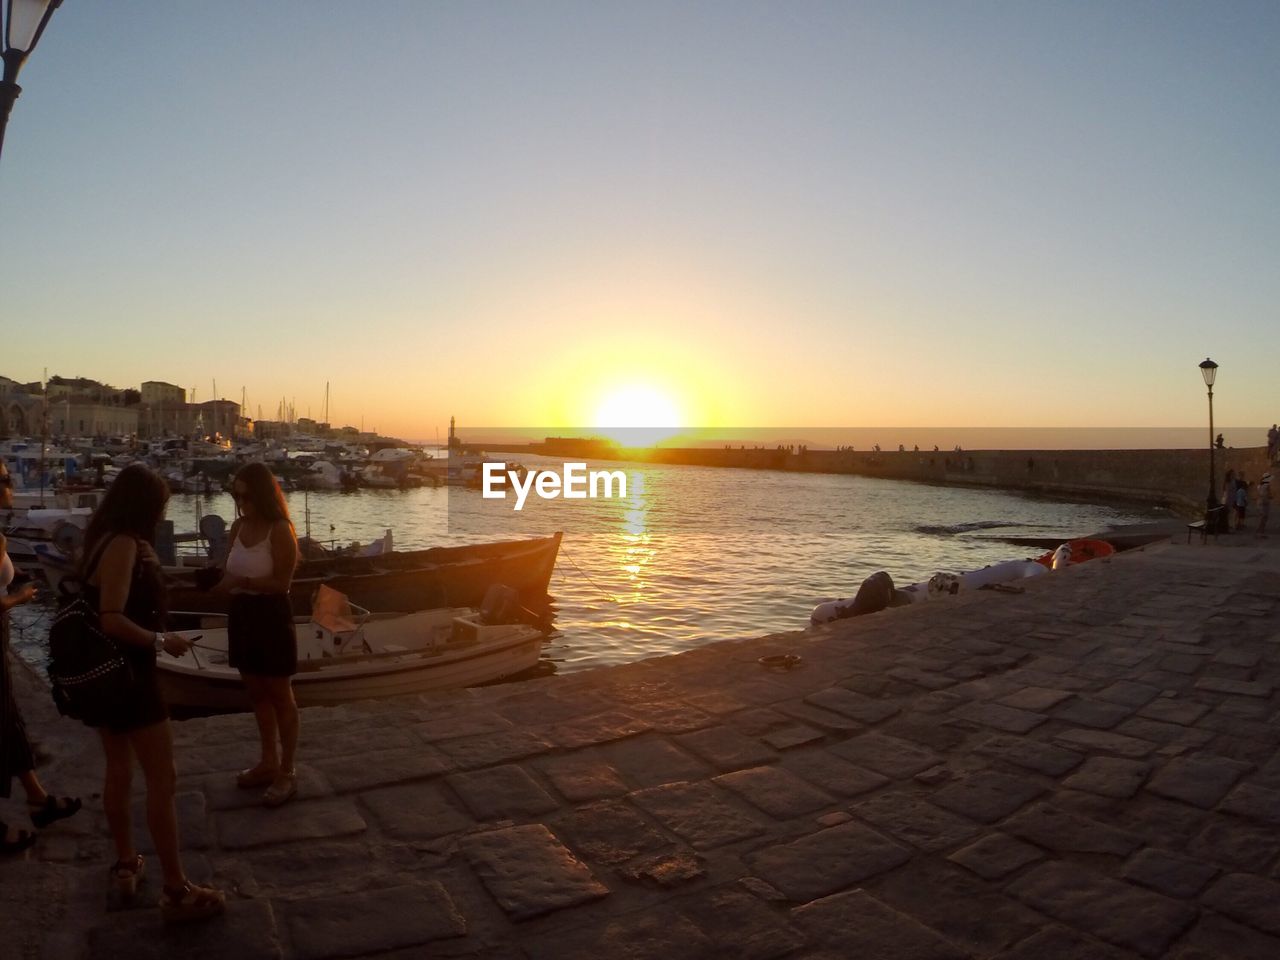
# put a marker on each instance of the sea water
(691, 555)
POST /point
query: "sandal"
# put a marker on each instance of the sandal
(126, 875)
(53, 809)
(22, 841)
(190, 902)
(258, 776)
(281, 790)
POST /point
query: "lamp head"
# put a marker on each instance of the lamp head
(24, 21)
(1209, 370)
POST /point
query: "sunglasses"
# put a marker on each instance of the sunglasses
(241, 497)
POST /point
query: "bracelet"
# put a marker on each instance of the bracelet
(159, 641)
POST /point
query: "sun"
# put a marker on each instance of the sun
(637, 416)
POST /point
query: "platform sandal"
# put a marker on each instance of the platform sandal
(256, 777)
(127, 874)
(281, 791)
(24, 840)
(52, 809)
(190, 902)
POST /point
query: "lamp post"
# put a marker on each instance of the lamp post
(24, 21)
(1209, 370)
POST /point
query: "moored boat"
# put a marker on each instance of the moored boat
(344, 657)
(405, 581)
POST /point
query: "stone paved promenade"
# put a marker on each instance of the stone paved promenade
(1088, 769)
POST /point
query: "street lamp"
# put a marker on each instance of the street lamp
(24, 21)
(1209, 370)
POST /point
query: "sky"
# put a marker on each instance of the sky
(980, 214)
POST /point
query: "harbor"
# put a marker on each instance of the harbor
(1083, 769)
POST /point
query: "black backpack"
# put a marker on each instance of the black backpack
(90, 677)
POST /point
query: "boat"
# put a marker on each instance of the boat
(1076, 551)
(346, 653)
(405, 581)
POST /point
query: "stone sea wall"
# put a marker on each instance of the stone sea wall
(1178, 479)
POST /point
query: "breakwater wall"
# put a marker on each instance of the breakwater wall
(1177, 479)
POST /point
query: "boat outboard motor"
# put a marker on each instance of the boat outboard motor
(874, 595)
(1061, 557)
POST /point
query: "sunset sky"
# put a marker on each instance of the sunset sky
(752, 214)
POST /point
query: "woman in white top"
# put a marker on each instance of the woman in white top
(262, 552)
(17, 759)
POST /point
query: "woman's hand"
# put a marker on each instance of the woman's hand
(24, 594)
(175, 645)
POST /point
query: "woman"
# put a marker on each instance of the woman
(262, 552)
(16, 756)
(122, 579)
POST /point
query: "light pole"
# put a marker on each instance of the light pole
(1209, 370)
(24, 21)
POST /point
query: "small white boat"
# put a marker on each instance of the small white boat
(345, 656)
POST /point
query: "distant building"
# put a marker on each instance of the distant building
(218, 418)
(81, 418)
(159, 393)
(20, 410)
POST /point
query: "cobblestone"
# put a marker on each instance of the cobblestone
(1101, 782)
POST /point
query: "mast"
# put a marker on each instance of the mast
(44, 430)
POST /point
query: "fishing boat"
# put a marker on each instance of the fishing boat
(405, 581)
(346, 653)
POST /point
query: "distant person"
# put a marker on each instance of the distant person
(1228, 499)
(1220, 443)
(1264, 504)
(122, 580)
(1273, 441)
(1242, 500)
(262, 554)
(17, 759)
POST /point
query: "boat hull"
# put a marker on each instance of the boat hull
(411, 581)
(332, 681)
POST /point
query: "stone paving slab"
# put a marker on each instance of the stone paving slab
(372, 921)
(1088, 769)
(529, 872)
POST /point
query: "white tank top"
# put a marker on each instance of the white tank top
(6, 572)
(252, 561)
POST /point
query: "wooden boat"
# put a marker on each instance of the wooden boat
(347, 654)
(1077, 551)
(412, 580)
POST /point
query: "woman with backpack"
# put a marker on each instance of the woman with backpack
(121, 579)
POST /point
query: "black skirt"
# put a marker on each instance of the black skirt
(146, 704)
(260, 638)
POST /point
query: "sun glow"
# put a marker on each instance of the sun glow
(637, 416)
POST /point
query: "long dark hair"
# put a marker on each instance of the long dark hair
(133, 505)
(264, 493)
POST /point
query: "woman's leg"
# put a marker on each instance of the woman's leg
(285, 708)
(115, 793)
(36, 792)
(153, 746)
(264, 712)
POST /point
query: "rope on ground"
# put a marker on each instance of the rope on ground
(603, 592)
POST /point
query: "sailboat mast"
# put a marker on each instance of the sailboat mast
(44, 430)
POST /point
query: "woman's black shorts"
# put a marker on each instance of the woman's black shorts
(260, 637)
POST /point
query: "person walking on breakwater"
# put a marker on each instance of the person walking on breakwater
(17, 759)
(1264, 504)
(121, 579)
(261, 556)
